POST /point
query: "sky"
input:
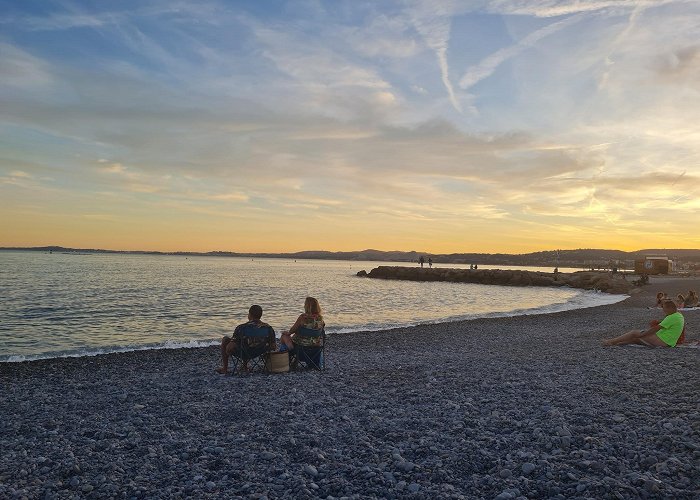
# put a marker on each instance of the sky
(278, 126)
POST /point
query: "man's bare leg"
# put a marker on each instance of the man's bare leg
(636, 337)
(224, 355)
(631, 337)
(652, 340)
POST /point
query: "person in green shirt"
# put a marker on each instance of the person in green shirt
(664, 333)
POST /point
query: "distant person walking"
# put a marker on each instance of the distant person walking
(430, 262)
(421, 260)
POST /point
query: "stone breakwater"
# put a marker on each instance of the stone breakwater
(587, 280)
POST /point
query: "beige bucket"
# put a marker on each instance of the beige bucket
(278, 362)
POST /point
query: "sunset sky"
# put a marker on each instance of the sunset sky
(437, 126)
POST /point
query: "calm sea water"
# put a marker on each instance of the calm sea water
(57, 304)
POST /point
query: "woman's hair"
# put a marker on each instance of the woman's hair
(311, 306)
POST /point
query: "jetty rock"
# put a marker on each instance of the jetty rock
(587, 280)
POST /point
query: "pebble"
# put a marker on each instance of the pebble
(406, 466)
(528, 468)
(311, 470)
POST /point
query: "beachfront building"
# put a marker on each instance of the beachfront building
(653, 264)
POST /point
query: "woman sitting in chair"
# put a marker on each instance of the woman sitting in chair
(310, 318)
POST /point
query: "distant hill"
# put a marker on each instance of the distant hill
(585, 257)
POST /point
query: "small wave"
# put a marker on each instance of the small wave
(97, 351)
(585, 299)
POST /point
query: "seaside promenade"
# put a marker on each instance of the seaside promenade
(521, 407)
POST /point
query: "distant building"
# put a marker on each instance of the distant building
(653, 264)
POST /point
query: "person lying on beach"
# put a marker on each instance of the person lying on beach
(680, 301)
(660, 297)
(310, 318)
(232, 345)
(664, 333)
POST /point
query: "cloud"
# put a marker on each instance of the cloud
(19, 173)
(679, 66)
(488, 65)
(114, 168)
(433, 22)
(21, 70)
(555, 8)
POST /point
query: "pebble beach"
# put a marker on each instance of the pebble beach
(522, 407)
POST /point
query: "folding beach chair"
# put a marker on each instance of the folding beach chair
(309, 356)
(254, 354)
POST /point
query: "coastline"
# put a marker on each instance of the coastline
(583, 301)
(528, 405)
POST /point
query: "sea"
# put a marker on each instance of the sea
(71, 304)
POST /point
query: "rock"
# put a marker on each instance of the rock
(504, 495)
(528, 468)
(406, 466)
(505, 473)
(311, 470)
(413, 487)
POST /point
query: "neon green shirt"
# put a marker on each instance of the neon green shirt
(671, 328)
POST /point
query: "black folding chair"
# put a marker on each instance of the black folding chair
(252, 351)
(309, 356)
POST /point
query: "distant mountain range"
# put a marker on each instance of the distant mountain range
(565, 258)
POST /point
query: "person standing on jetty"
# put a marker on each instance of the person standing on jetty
(664, 333)
(232, 345)
(421, 260)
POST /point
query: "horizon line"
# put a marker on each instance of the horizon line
(166, 252)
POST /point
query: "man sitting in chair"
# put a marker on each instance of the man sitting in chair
(232, 345)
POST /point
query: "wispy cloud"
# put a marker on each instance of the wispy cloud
(488, 65)
(433, 22)
(554, 8)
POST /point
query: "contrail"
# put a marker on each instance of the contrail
(488, 65)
